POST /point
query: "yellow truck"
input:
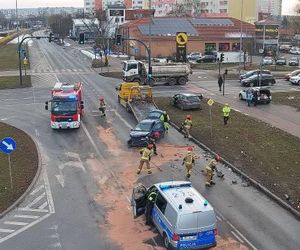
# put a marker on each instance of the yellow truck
(136, 99)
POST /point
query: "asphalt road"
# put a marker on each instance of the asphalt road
(64, 210)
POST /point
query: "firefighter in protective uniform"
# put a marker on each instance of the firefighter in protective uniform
(210, 169)
(187, 125)
(189, 162)
(146, 154)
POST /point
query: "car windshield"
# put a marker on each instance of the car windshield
(294, 59)
(192, 98)
(154, 114)
(64, 107)
(144, 126)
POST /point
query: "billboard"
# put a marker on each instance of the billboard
(266, 32)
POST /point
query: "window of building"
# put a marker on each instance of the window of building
(223, 10)
(122, 19)
(235, 46)
(224, 46)
(223, 2)
(87, 3)
(210, 47)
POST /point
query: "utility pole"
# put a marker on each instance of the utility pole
(241, 34)
(150, 34)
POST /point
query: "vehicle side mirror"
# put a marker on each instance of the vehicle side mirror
(46, 106)
(82, 106)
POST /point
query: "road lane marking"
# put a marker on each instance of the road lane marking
(33, 210)
(36, 200)
(121, 118)
(37, 190)
(43, 205)
(219, 218)
(91, 140)
(26, 216)
(48, 192)
(3, 230)
(236, 236)
(16, 223)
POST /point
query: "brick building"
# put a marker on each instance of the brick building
(222, 34)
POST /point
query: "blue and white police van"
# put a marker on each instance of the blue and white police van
(182, 216)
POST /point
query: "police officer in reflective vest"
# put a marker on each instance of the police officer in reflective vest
(151, 198)
(189, 162)
(146, 154)
(226, 112)
(210, 169)
(166, 120)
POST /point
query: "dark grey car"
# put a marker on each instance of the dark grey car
(186, 101)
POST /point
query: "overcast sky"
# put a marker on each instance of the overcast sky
(287, 5)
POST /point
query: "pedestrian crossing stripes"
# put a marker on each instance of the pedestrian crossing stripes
(40, 71)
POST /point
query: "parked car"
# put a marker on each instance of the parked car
(295, 79)
(254, 72)
(207, 59)
(267, 60)
(285, 48)
(281, 61)
(186, 101)
(295, 50)
(294, 61)
(293, 73)
(154, 114)
(263, 95)
(254, 81)
(144, 129)
(194, 56)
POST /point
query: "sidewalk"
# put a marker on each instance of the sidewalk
(12, 73)
(280, 116)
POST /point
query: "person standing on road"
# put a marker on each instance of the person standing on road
(151, 199)
(189, 162)
(166, 120)
(249, 97)
(254, 98)
(152, 140)
(210, 169)
(187, 125)
(220, 83)
(226, 113)
(146, 154)
(102, 106)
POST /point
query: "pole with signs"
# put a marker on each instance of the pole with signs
(25, 62)
(7, 146)
(210, 102)
(225, 73)
(181, 41)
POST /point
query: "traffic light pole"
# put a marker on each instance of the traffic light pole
(19, 51)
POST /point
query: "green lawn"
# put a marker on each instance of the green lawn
(24, 164)
(287, 98)
(9, 59)
(265, 153)
(12, 82)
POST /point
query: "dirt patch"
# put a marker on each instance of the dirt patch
(287, 98)
(117, 75)
(24, 163)
(267, 154)
(13, 82)
(116, 177)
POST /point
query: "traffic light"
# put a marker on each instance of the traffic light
(222, 57)
(81, 38)
(50, 37)
(119, 40)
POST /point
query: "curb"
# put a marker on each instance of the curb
(37, 175)
(253, 182)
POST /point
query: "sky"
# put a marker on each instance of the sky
(10, 4)
(287, 5)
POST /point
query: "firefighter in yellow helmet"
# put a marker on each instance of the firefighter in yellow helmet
(146, 154)
(189, 162)
(187, 125)
(210, 169)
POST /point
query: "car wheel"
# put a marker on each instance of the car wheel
(129, 143)
(240, 96)
(299, 83)
(167, 242)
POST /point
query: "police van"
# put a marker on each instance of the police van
(182, 216)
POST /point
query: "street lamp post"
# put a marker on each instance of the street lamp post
(241, 34)
(150, 34)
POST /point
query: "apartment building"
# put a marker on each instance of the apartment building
(89, 6)
(273, 7)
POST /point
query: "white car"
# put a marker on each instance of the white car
(263, 95)
(267, 60)
(295, 79)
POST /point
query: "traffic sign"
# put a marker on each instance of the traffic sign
(8, 145)
(181, 38)
(210, 102)
(25, 61)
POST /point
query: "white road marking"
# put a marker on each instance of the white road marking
(3, 230)
(26, 216)
(122, 119)
(236, 236)
(48, 192)
(57, 244)
(33, 210)
(219, 218)
(54, 236)
(37, 190)
(61, 180)
(45, 204)
(16, 223)
(91, 140)
(36, 200)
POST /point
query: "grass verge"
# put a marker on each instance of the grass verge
(12, 82)
(24, 165)
(287, 98)
(267, 154)
(9, 59)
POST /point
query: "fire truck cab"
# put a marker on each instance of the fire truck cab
(66, 106)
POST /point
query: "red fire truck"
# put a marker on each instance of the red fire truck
(66, 106)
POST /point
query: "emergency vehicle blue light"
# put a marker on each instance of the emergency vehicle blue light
(205, 203)
(72, 97)
(165, 187)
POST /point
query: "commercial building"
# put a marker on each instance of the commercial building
(87, 26)
(205, 34)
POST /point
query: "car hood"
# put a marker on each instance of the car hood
(138, 133)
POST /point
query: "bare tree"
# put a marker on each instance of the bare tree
(60, 24)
